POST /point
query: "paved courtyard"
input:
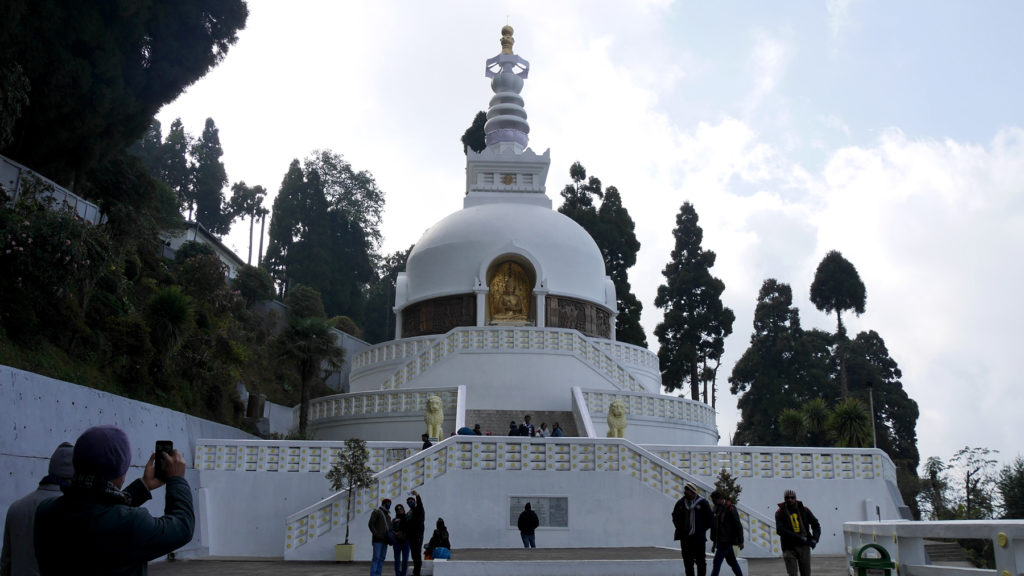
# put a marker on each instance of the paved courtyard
(820, 565)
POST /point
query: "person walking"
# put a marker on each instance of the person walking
(19, 553)
(414, 530)
(726, 532)
(380, 531)
(401, 541)
(799, 531)
(692, 517)
(528, 523)
(97, 528)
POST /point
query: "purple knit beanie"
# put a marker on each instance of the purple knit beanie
(104, 452)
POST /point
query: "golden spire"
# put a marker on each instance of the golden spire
(506, 39)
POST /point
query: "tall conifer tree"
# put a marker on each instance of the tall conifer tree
(612, 229)
(696, 322)
(210, 179)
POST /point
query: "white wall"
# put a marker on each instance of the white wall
(38, 413)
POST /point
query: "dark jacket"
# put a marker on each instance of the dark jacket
(810, 530)
(440, 537)
(681, 519)
(414, 521)
(88, 531)
(726, 530)
(380, 525)
(528, 521)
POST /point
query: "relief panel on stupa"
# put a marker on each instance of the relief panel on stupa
(509, 293)
(439, 315)
(589, 319)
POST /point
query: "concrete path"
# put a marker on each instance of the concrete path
(820, 565)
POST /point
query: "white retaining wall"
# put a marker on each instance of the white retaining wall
(38, 413)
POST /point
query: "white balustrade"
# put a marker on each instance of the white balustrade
(647, 405)
(551, 455)
(420, 354)
(380, 402)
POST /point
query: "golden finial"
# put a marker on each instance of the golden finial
(506, 39)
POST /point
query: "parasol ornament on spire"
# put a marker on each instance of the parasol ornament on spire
(506, 116)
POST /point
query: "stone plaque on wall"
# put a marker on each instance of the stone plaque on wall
(553, 511)
(439, 315)
(590, 319)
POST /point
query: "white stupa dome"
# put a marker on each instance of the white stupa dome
(454, 255)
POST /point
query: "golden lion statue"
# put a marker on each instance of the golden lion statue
(434, 417)
(617, 419)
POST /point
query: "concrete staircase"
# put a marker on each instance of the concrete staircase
(496, 421)
(948, 553)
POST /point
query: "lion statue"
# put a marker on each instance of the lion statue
(434, 417)
(617, 419)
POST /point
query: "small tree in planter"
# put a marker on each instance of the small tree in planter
(728, 485)
(351, 472)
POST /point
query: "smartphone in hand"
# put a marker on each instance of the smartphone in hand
(160, 465)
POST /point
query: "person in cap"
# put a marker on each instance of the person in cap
(380, 532)
(726, 532)
(528, 523)
(691, 517)
(799, 531)
(19, 554)
(98, 527)
(414, 530)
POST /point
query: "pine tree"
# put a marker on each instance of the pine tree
(729, 486)
(837, 287)
(210, 180)
(613, 231)
(696, 322)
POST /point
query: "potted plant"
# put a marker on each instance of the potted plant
(350, 472)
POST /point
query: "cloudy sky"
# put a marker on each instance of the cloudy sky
(892, 132)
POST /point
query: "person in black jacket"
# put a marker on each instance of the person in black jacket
(96, 528)
(726, 532)
(528, 523)
(414, 530)
(799, 531)
(691, 517)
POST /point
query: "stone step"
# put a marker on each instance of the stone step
(496, 421)
(944, 552)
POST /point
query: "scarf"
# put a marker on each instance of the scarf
(691, 507)
(87, 486)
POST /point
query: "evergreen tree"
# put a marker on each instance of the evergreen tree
(696, 322)
(837, 287)
(317, 234)
(612, 229)
(210, 178)
(175, 169)
(849, 424)
(869, 366)
(473, 137)
(379, 323)
(1011, 488)
(768, 373)
(729, 486)
(309, 345)
(96, 74)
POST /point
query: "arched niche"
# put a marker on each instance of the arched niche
(510, 282)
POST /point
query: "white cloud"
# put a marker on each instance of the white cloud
(768, 60)
(838, 16)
